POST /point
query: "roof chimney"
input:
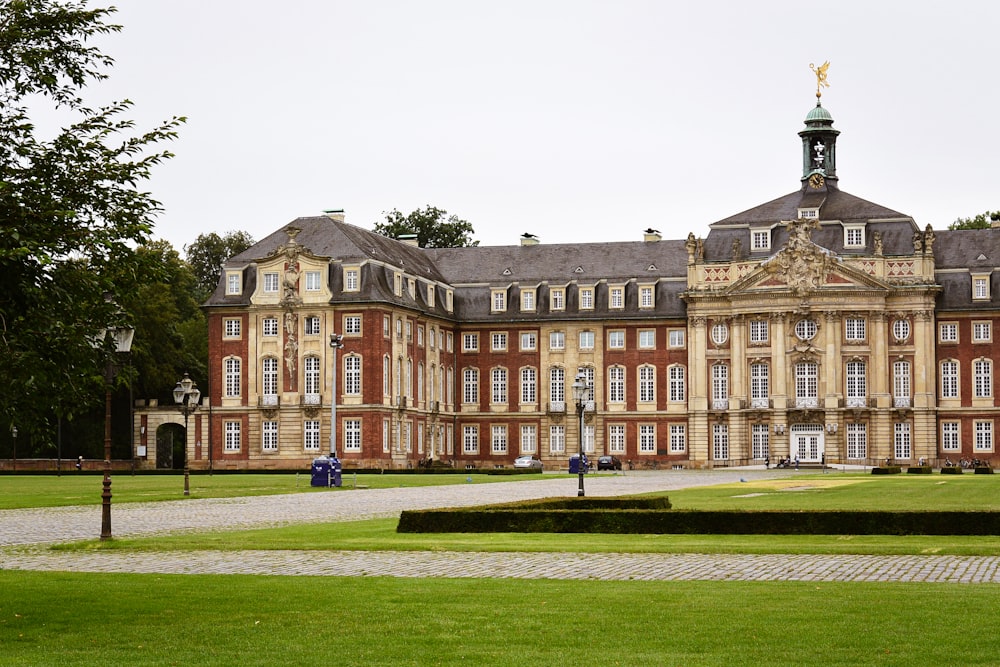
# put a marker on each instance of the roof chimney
(651, 235)
(409, 239)
(335, 214)
(528, 239)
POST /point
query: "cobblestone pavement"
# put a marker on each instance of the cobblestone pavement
(25, 533)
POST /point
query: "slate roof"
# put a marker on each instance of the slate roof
(957, 255)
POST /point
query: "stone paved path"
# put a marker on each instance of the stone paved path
(24, 534)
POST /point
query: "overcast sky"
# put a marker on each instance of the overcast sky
(572, 120)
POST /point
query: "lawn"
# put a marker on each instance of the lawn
(85, 619)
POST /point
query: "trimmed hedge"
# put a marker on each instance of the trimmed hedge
(983, 470)
(887, 470)
(919, 470)
(951, 470)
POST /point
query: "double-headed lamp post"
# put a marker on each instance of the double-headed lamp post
(123, 343)
(336, 343)
(186, 396)
(579, 392)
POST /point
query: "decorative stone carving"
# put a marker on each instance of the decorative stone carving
(929, 240)
(918, 243)
(877, 244)
(801, 263)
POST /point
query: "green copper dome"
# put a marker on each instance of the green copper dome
(819, 114)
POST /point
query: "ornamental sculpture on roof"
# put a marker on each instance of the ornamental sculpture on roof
(801, 263)
(820, 73)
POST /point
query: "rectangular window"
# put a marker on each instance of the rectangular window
(352, 375)
(676, 338)
(857, 384)
(269, 380)
(397, 284)
(312, 380)
(498, 341)
(498, 441)
(760, 438)
(470, 385)
(269, 436)
(616, 384)
(950, 437)
(948, 332)
(557, 439)
(761, 239)
(902, 445)
(313, 281)
(758, 332)
(470, 440)
(646, 297)
(529, 439)
(498, 299)
(647, 384)
(310, 326)
(557, 340)
(557, 385)
(678, 385)
(451, 341)
(949, 379)
(234, 283)
(528, 299)
(449, 300)
(982, 374)
(901, 384)
(352, 325)
(431, 293)
(980, 287)
(586, 340)
(616, 438)
(232, 327)
(617, 298)
(981, 332)
(470, 342)
(720, 441)
(385, 436)
(854, 237)
(420, 336)
(647, 439)
(678, 438)
(529, 385)
(529, 341)
(857, 440)
(352, 435)
(351, 280)
(385, 326)
(854, 329)
(271, 283)
(586, 298)
(311, 431)
(232, 376)
(720, 387)
(616, 340)
(269, 326)
(557, 298)
(760, 389)
(498, 395)
(807, 385)
(233, 436)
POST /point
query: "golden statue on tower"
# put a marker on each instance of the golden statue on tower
(820, 73)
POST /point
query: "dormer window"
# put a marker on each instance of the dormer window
(616, 298)
(981, 287)
(234, 282)
(271, 283)
(313, 281)
(351, 282)
(809, 213)
(760, 239)
(854, 236)
(498, 300)
(586, 298)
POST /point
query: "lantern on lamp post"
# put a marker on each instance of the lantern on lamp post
(121, 337)
(186, 396)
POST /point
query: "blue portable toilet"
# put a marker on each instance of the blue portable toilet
(321, 471)
(336, 471)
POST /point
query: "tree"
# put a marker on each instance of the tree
(207, 254)
(433, 226)
(71, 213)
(981, 221)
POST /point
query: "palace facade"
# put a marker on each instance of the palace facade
(816, 325)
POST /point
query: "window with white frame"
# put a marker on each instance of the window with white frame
(760, 439)
(720, 442)
(675, 338)
(386, 440)
(677, 383)
(498, 393)
(352, 375)
(949, 379)
(646, 296)
(269, 326)
(420, 336)
(586, 340)
(498, 341)
(420, 381)
(759, 385)
(529, 439)
(313, 283)
(616, 340)
(470, 342)
(409, 330)
(589, 438)
(720, 333)
(450, 338)
(498, 299)
(856, 381)
(557, 385)
(311, 369)
(232, 327)
(616, 384)
(948, 332)
(901, 330)
(431, 294)
(397, 284)
(616, 438)
(234, 282)
(616, 298)
(470, 385)
(432, 338)
(411, 288)
(385, 326)
(527, 299)
(981, 332)
(231, 371)
(857, 440)
(529, 341)
(806, 329)
(233, 436)
(647, 384)
(351, 281)
(557, 298)
(901, 384)
(720, 386)
(529, 385)
(647, 339)
(352, 325)
(386, 376)
(310, 429)
(586, 298)
(760, 239)
(982, 378)
(588, 379)
(557, 340)
(498, 439)
(647, 438)
(270, 282)
(557, 439)
(352, 435)
(269, 435)
(806, 384)
(678, 438)
(470, 439)
(758, 332)
(269, 380)
(950, 441)
(902, 444)
(310, 325)
(854, 329)
(980, 287)
(854, 237)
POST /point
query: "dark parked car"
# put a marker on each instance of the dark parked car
(609, 463)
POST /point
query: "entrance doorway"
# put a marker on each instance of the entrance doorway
(807, 443)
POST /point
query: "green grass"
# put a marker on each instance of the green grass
(22, 491)
(85, 619)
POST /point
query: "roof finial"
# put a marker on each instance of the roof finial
(820, 73)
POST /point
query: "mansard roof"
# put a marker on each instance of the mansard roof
(957, 255)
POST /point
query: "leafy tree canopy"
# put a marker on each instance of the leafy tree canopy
(433, 226)
(71, 213)
(207, 254)
(981, 221)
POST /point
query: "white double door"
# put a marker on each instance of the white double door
(807, 443)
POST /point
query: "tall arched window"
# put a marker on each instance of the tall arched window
(557, 385)
(759, 385)
(720, 387)
(857, 384)
(677, 383)
(616, 384)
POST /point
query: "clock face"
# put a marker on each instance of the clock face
(816, 181)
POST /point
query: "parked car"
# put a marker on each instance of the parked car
(527, 462)
(609, 463)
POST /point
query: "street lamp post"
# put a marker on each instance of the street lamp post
(186, 396)
(336, 343)
(13, 432)
(123, 343)
(579, 392)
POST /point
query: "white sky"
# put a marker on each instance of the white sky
(573, 120)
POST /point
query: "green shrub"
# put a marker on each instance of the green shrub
(887, 470)
(919, 470)
(951, 470)
(984, 470)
